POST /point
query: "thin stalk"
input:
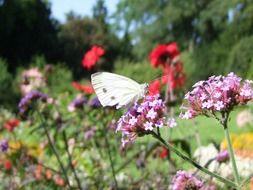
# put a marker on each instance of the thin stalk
(232, 156)
(246, 179)
(128, 161)
(51, 169)
(70, 161)
(111, 161)
(186, 158)
(54, 150)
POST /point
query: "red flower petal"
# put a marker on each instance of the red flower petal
(154, 87)
(7, 164)
(92, 56)
(87, 89)
(11, 124)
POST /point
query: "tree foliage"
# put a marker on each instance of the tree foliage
(79, 34)
(206, 30)
(26, 29)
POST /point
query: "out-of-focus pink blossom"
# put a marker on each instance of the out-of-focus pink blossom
(244, 118)
(32, 79)
(71, 144)
(223, 156)
(89, 133)
(171, 122)
(184, 180)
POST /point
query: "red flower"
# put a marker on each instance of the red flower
(48, 174)
(164, 54)
(38, 171)
(163, 153)
(87, 89)
(174, 81)
(59, 181)
(173, 50)
(154, 87)
(7, 165)
(92, 56)
(174, 74)
(159, 55)
(11, 124)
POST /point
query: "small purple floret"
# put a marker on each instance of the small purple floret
(79, 102)
(223, 156)
(28, 98)
(94, 103)
(4, 146)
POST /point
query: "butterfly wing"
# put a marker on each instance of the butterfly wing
(113, 89)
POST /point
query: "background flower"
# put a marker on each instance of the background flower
(11, 124)
(184, 180)
(92, 56)
(87, 89)
(32, 79)
(154, 87)
(167, 56)
(28, 98)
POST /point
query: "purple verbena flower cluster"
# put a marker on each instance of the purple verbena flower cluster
(217, 94)
(222, 156)
(77, 103)
(4, 146)
(89, 133)
(142, 118)
(183, 180)
(28, 98)
(94, 103)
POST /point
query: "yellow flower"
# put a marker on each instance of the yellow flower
(34, 151)
(242, 144)
(14, 146)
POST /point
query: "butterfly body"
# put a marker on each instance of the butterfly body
(113, 89)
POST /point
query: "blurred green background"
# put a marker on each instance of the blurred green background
(215, 37)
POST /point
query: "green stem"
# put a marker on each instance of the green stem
(54, 150)
(232, 155)
(186, 158)
(111, 161)
(246, 179)
(70, 161)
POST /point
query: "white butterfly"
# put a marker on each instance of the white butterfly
(113, 89)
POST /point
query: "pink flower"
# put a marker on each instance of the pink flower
(223, 156)
(183, 180)
(92, 56)
(151, 114)
(217, 94)
(148, 126)
(32, 79)
(171, 122)
(142, 119)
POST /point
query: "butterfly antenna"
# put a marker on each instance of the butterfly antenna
(157, 78)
